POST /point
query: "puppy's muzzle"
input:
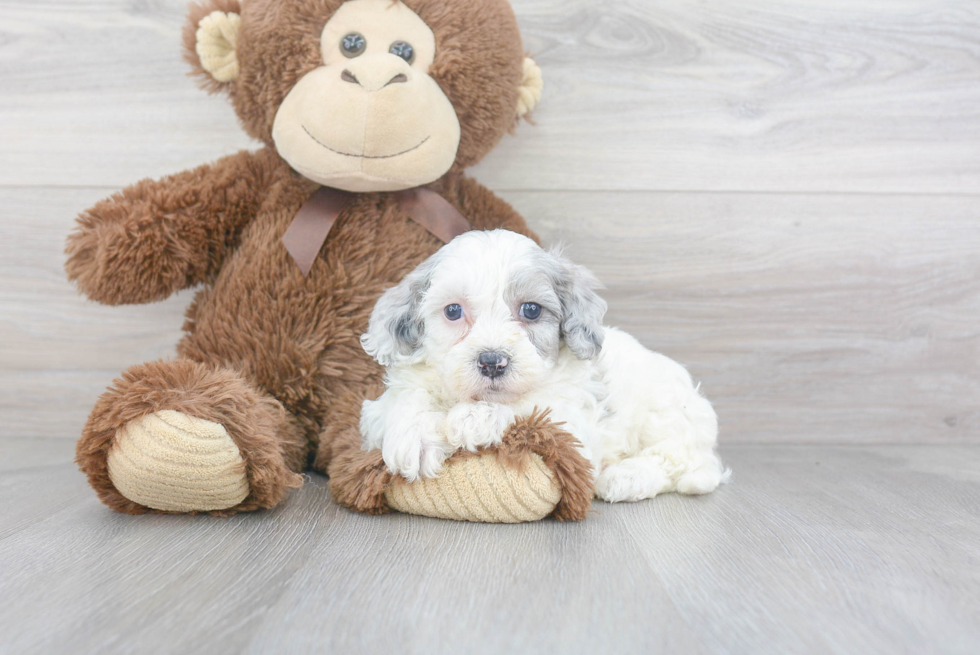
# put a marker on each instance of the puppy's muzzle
(492, 364)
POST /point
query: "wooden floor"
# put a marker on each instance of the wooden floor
(782, 194)
(812, 549)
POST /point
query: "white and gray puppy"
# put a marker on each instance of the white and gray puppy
(490, 328)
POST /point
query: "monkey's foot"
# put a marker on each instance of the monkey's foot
(173, 462)
(480, 488)
(534, 472)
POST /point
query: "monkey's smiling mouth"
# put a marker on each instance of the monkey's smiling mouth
(350, 154)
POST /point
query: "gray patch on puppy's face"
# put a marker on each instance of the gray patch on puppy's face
(582, 309)
(535, 283)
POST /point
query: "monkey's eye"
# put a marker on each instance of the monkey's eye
(531, 311)
(352, 45)
(403, 50)
(454, 312)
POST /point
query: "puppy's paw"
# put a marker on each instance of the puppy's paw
(703, 480)
(632, 479)
(417, 447)
(477, 425)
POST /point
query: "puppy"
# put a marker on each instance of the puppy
(490, 328)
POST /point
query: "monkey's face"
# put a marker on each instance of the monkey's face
(370, 118)
(367, 95)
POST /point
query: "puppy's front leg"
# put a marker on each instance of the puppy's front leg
(579, 416)
(477, 425)
(409, 432)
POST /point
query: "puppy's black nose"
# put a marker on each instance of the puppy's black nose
(492, 364)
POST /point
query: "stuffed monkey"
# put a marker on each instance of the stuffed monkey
(368, 112)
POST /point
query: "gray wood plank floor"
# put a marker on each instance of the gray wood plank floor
(812, 549)
(782, 194)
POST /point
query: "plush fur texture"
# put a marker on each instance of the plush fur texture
(498, 297)
(270, 354)
(537, 433)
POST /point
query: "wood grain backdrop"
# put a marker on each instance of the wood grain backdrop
(785, 195)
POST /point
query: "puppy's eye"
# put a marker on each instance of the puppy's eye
(454, 312)
(403, 50)
(352, 45)
(531, 311)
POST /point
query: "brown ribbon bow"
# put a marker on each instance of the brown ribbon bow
(311, 226)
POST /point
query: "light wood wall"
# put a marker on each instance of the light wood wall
(783, 194)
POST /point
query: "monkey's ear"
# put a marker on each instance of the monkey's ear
(532, 83)
(211, 41)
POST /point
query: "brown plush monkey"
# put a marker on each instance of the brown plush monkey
(355, 102)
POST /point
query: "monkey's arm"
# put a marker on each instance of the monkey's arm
(158, 237)
(486, 211)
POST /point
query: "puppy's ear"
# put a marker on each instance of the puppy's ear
(396, 328)
(582, 308)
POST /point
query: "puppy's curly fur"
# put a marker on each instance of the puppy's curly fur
(493, 328)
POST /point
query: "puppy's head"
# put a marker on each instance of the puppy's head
(491, 313)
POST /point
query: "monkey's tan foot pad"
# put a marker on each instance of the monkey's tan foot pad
(480, 488)
(177, 463)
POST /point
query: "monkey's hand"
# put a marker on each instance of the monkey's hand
(158, 237)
